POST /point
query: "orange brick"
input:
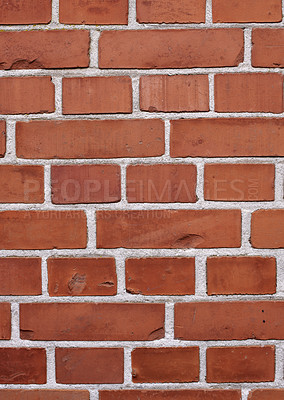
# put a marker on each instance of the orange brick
(249, 93)
(25, 12)
(97, 95)
(165, 365)
(92, 322)
(94, 12)
(171, 11)
(241, 364)
(161, 183)
(239, 182)
(267, 229)
(247, 11)
(227, 137)
(44, 49)
(241, 275)
(21, 184)
(170, 395)
(160, 276)
(20, 276)
(43, 230)
(174, 93)
(179, 48)
(90, 139)
(85, 365)
(81, 277)
(229, 320)
(22, 366)
(46, 395)
(267, 50)
(27, 95)
(5, 321)
(168, 229)
(73, 184)
(266, 394)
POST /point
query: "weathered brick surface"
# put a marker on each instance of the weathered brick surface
(141, 199)
(241, 275)
(62, 49)
(20, 276)
(165, 365)
(91, 321)
(22, 366)
(27, 95)
(25, 12)
(96, 139)
(241, 364)
(171, 48)
(81, 276)
(160, 276)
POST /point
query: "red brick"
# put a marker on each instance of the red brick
(90, 139)
(229, 320)
(45, 395)
(43, 230)
(5, 321)
(266, 394)
(165, 365)
(97, 95)
(227, 137)
(20, 276)
(170, 395)
(174, 93)
(241, 275)
(73, 184)
(44, 49)
(25, 12)
(91, 321)
(241, 364)
(161, 183)
(171, 11)
(239, 182)
(89, 365)
(247, 11)
(22, 366)
(267, 50)
(81, 277)
(2, 138)
(21, 184)
(27, 95)
(94, 12)
(248, 92)
(169, 229)
(160, 276)
(179, 48)
(267, 229)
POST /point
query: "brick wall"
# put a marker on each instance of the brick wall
(142, 214)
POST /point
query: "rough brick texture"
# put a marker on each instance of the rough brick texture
(241, 275)
(25, 12)
(241, 364)
(27, 95)
(160, 276)
(20, 276)
(81, 277)
(141, 199)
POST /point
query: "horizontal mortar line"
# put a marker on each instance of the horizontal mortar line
(138, 115)
(128, 298)
(140, 26)
(132, 344)
(127, 253)
(144, 207)
(88, 72)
